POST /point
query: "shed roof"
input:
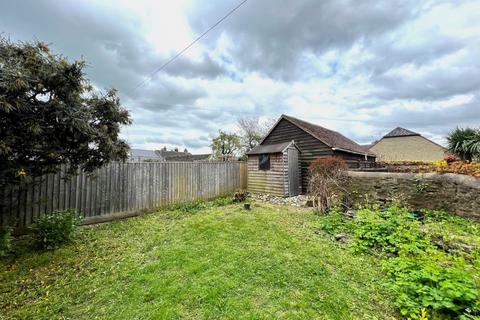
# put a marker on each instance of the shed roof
(333, 139)
(400, 132)
(271, 148)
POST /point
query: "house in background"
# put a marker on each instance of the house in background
(139, 155)
(401, 144)
(313, 141)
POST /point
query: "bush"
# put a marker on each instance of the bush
(55, 229)
(464, 143)
(5, 241)
(327, 180)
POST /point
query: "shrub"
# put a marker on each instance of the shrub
(52, 230)
(5, 240)
(465, 143)
(327, 180)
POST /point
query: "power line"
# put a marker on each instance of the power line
(187, 47)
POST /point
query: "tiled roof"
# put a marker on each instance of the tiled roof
(144, 153)
(400, 132)
(331, 138)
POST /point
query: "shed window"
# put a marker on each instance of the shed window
(264, 162)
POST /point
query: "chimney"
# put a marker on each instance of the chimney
(176, 149)
(186, 151)
(164, 148)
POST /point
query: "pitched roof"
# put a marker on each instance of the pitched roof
(333, 139)
(144, 153)
(271, 148)
(400, 132)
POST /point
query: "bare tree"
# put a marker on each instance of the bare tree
(252, 130)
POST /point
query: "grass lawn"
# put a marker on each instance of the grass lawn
(220, 263)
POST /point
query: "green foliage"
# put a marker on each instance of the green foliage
(436, 281)
(5, 241)
(333, 222)
(465, 143)
(425, 269)
(225, 146)
(393, 231)
(52, 230)
(49, 115)
(187, 208)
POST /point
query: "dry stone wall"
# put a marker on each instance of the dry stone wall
(455, 193)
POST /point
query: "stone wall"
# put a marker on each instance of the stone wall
(455, 193)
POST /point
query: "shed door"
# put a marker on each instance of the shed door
(293, 173)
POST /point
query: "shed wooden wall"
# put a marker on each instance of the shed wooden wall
(269, 181)
(311, 147)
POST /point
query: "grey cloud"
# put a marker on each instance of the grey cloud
(387, 54)
(163, 94)
(270, 36)
(194, 143)
(438, 84)
(109, 40)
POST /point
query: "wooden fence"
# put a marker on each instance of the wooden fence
(121, 189)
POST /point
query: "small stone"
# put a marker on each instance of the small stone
(341, 237)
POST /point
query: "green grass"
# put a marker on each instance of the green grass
(216, 263)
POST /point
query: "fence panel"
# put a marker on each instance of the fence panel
(120, 189)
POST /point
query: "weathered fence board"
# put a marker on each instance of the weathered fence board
(120, 189)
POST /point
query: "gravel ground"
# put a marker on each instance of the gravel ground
(297, 201)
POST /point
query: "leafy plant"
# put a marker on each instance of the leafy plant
(465, 143)
(433, 280)
(52, 230)
(423, 275)
(5, 240)
(420, 185)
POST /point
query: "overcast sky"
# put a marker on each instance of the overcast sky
(359, 67)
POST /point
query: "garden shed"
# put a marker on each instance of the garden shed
(275, 169)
